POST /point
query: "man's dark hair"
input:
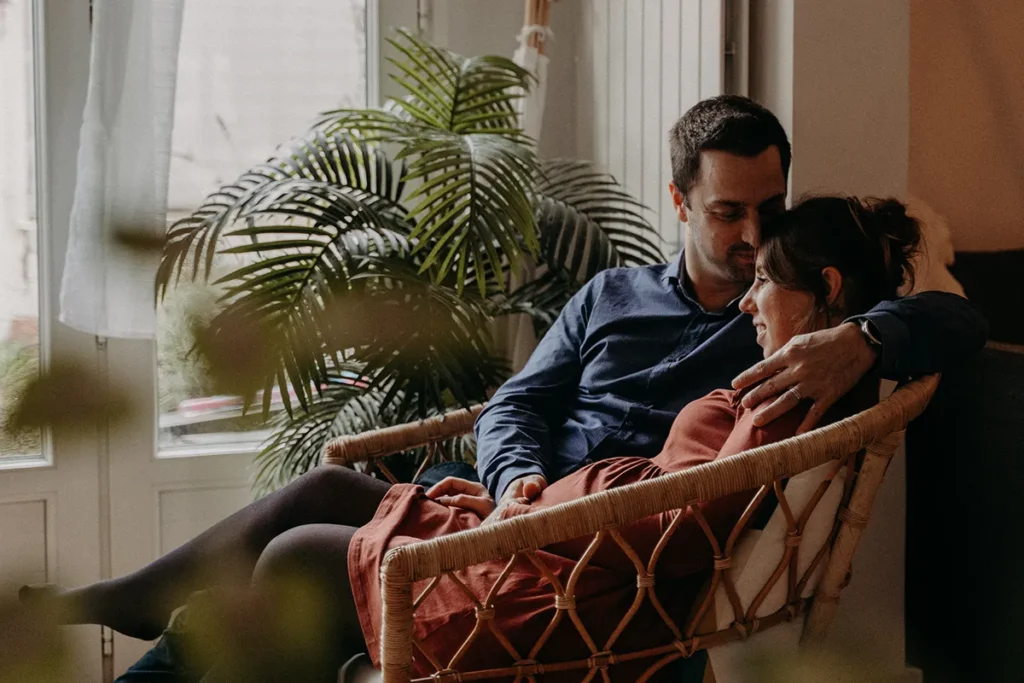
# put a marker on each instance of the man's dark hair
(730, 123)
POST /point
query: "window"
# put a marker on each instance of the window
(19, 262)
(251, 75)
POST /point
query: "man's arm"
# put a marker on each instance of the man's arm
(513, 433)
(926, 333)
(920, 334)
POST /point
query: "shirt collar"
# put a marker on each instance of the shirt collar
(673, 269)
(672, 277)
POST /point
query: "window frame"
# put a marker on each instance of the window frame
(54, 90)
(379, 17)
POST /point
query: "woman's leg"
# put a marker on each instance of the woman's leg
(140, 603)
(299, 621)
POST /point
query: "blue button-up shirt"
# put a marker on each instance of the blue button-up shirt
(633, 347)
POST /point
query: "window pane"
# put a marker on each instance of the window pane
(19, 293)
(252, 74)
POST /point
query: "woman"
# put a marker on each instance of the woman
(825, 260)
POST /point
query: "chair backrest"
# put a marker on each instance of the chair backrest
(810, 542)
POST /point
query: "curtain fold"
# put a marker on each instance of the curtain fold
(515, 333)
(119, 211)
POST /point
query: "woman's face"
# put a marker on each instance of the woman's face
(779, 313)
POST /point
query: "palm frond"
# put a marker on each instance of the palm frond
(305, 241)
(473, 204)
(346, 406)
(589, 223)
(542, 298)
(444, 92)
(380, 246)
(336, 159)
(422, 341)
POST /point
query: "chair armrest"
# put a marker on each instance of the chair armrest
(380, 443)
(633, 502)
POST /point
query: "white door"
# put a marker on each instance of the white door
(251, 75)
(77, 506)
(49, 482)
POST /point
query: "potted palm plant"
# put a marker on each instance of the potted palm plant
(374, 253)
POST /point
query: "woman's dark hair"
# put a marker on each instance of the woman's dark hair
(870, 242)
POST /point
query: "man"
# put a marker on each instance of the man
(635, 345)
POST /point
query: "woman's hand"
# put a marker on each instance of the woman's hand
(460, 493)
(820, 367)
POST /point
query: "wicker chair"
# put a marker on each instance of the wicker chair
(835, 471)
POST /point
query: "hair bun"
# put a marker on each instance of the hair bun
(897, 235)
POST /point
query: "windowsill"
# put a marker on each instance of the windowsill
(23, 462)
(175, 452)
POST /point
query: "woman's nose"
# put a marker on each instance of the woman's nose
(747, 302)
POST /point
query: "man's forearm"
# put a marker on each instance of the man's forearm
(926, 333)
(513, 434)
(512, 442)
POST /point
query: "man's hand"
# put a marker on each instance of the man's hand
(524, 489)
(519, 493)
(820, 367)
(460, 493)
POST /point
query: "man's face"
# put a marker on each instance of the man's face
(724, 209)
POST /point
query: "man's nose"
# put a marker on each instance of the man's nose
(752, 230)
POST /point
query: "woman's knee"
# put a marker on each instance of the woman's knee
(306, 569)
(336, 495)
(312, 551)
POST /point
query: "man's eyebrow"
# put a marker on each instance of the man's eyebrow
(726, 203)
(771, 200)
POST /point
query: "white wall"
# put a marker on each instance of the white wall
(837, 74)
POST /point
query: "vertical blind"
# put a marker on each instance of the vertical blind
(642, 64)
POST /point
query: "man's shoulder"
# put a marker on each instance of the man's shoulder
(628, 277)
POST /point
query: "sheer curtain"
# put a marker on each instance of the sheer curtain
(515, 333)
(123, 160)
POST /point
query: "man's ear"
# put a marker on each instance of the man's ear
(834, 281)
(678, 201)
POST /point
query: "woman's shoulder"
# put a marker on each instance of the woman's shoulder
(719, 407)
(702, 426)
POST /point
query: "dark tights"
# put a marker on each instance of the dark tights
(298, 534)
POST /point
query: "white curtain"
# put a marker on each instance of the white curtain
(123, 160)
(516, 331)
(531, 107)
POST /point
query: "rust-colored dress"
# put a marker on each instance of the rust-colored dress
(715, 426)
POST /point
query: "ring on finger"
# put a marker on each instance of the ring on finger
(796, 394)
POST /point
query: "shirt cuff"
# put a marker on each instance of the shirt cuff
(509, 475)
(895, 337)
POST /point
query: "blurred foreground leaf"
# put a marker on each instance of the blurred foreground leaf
(31, 647)
(67, 396)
